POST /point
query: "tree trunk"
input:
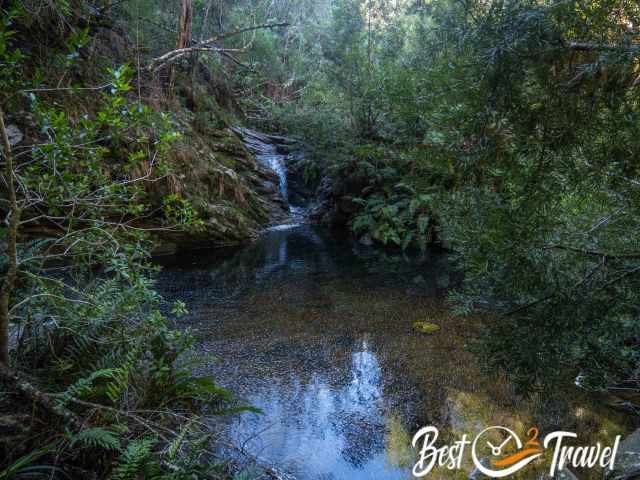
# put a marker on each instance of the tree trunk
(184, 24)
(184, 34)
(13, 218)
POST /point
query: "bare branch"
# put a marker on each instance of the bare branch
(207, 46)
(592, 46)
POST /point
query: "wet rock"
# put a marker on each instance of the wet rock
(300, 194)
(426, 327)
(233, 193)
(366, 240)
(627, 464)
(14, 134)
(320, 209)
(565, 475)
(267, 187)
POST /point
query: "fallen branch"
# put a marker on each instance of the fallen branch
(592, 46)
(44, 400)
(235, 60)
(207, 46)
(174, 55)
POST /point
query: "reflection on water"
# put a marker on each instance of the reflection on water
(319, 429)
(316, 331)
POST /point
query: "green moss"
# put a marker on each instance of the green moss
(426, 327)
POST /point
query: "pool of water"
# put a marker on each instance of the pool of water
(316, 331)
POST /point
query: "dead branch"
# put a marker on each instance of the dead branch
(207, 46)
(174, 55)
(43, 400)
(592, 46)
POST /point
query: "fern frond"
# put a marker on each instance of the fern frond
(97, 438)
(133, 459)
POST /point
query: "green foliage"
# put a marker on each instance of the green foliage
(513, 127)
(97, 438)
(399, 220)
(544, 217)
(11, 57)
(90, 324)
(396, 206)
(134, 461)
(25, 466)
(178, 211)
(84, 158)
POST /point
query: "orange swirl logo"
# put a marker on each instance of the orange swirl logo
(510, 464)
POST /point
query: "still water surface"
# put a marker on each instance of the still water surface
(316, 331)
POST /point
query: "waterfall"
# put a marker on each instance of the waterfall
(276, 162)
(266, 151)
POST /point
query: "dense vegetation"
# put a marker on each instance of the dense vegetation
(89, 173)
(507, 131)
(512, 127)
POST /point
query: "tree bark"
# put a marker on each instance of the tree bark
(44, 400)
(184, 24)
(13, 218)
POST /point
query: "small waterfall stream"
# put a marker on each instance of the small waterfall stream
(267, 154)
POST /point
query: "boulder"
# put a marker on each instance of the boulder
(627, 465)
(14, 134)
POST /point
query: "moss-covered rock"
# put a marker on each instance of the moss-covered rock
(425, 327)
(225, 185)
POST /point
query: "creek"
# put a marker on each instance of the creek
(316, 331)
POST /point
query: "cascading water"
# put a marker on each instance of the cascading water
(267, 155)
(265, 148)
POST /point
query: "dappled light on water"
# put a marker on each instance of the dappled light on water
(316, 331)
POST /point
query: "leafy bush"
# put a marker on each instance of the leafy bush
(89, 326)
